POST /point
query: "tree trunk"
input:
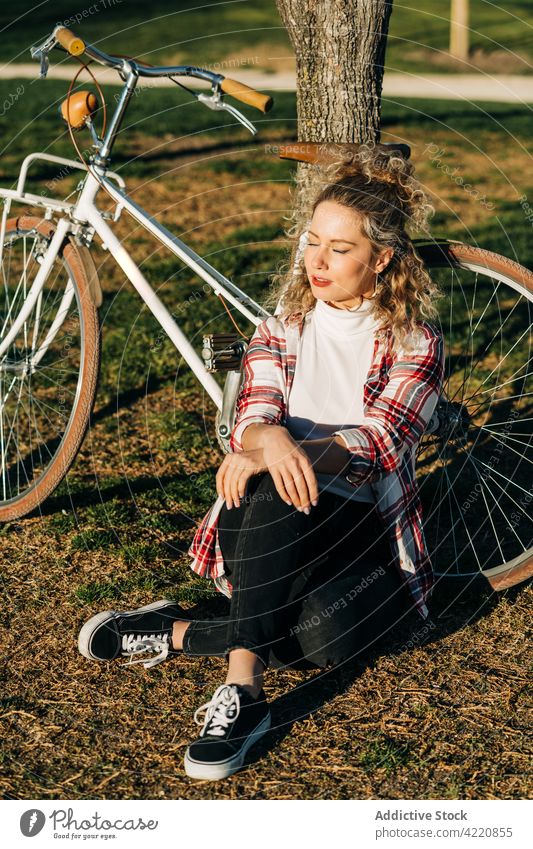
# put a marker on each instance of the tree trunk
(340, 51)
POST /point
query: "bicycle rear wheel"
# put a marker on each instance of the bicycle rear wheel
(474, 469)
(49, 372)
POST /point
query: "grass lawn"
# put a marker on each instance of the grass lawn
(434, 714)
(253, 33)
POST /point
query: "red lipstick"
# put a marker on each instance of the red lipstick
(317, 282)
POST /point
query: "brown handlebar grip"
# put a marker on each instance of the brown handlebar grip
(248, 95)
(72, 43)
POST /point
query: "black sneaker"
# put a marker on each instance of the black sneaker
(131, 633)
(233, 722)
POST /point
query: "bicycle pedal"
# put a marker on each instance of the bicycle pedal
(223, 351)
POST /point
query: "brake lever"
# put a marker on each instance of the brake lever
(41, 51)
(214, 101)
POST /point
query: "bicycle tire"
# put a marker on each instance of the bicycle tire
(517, 279)
(77, 263)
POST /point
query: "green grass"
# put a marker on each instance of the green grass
(92, 539)
(166, 116)
(149, 582)
(419, 35)
(95, 592)
(464, 129)
(384, 752)
(180, 32)
(172, 33)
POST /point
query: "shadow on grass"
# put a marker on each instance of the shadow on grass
(129, 397)
(208, 154)
(86, 492)
(449, 613)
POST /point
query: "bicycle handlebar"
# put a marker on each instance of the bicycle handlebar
(69, 42)
(245, 94)
(75, 45)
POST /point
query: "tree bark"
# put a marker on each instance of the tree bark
(340, 52)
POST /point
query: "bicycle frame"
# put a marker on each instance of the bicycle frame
(84, 218)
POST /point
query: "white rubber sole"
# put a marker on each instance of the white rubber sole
(222, 769)
(87, 632)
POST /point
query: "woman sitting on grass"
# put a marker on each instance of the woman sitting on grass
(316, 536)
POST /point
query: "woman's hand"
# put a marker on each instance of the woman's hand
(234, 473)
(291, 468)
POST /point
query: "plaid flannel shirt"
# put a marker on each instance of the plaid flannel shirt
(400, 395)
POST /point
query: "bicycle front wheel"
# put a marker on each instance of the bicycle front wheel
(474, 468)
(49, 370)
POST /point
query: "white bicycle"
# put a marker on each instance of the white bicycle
(473, 462)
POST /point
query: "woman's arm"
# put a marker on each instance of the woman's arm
(328, 456)
(288, 463)
(261, 397)
(261, 402)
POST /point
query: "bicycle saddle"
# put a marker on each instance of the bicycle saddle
(316, 153)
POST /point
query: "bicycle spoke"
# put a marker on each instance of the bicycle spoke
(460, 512)
(529, 435)
(472, 334)
(6, 291)
(517, 505)
(482, 482)
(12, 422)
(19, 455)
(52, 374)
(498, 332)
(527, 330)
(509, 481)
(504, 442)
(510, 380)
(469, 343)
(478, 410)
(498, 506)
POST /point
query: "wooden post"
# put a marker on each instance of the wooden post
(459, 31)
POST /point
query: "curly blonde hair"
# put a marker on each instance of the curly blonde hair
(379, 185)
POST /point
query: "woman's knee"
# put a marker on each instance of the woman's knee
(327, 649)
(333, 628)
(326, 655)
(315, 634)
(261, 488)
(263, 499)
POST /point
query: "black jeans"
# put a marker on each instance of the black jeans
(308, 590)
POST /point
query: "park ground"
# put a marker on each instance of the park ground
(429, 712)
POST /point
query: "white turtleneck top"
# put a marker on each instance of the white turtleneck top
(333, 361)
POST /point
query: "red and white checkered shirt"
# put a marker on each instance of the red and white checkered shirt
(400, 395)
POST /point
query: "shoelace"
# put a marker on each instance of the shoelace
(222, 709)
(139, 645)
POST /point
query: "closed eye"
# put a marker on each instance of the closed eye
(335, 250)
